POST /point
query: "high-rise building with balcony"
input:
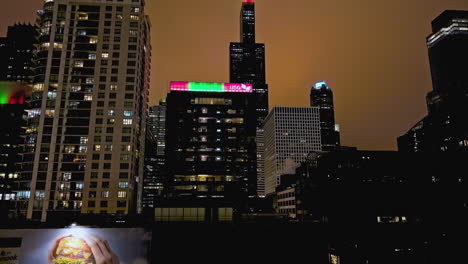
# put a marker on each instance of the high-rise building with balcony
(87, 113)
(445, 127)
(291, 134)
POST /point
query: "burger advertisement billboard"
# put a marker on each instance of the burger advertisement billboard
(77, 245)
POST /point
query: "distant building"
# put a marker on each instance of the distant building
(247, 65)
(210, 140)
(12, 98)
(321, 96)
(17, 53)
(445, 127)
(247, 60)
(380, 206)
(155, 157)
(86, 122)
(291, 133)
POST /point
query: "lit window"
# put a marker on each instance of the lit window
(79, 64)
(128, 121)
(67, 176)
(89, 80)
(88, 97)
(128, 113)
(122, 194)
(76, 88)
(123, 185)
(92, 56)
(105, 55)
(105, 194)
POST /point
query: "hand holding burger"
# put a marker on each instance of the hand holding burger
(87, 250)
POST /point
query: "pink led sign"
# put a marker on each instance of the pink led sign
(238, 88)
(212, 87)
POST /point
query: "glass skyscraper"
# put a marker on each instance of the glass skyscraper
(321, 96)
(247, 60)
(445, 127)
(247, 65)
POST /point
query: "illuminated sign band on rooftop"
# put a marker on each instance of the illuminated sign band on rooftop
(212, 87)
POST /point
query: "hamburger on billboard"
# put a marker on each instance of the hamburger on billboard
(77, 245)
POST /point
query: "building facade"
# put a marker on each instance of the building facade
(155, 156)
(321, 96)
(12, 98)
(291, 133)
(381, 207)
(210, 140)
(87, 113)
(445, 127)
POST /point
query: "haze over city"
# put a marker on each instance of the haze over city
(372, 53)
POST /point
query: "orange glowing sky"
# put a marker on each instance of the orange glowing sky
(371, 52)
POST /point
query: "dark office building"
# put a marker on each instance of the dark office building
(445, 127)
(247, 60)
(321, 96)
(210, 140)
(12, 97)
(155, 158)
(383, 206)
(16, 53)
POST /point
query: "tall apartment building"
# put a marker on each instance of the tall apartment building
(321, 96)
(87, 112)
(445, 127)
(291, 133)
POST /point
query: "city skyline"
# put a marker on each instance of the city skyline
(394, 77)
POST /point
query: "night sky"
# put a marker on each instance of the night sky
(371, 52)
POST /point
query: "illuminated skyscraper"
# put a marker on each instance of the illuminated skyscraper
(247, 65)
(155, 156)
(445, 127)
(247, 60)
(87, 113)
(210, 140)
(321, 96)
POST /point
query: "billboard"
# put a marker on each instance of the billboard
(76, 245)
